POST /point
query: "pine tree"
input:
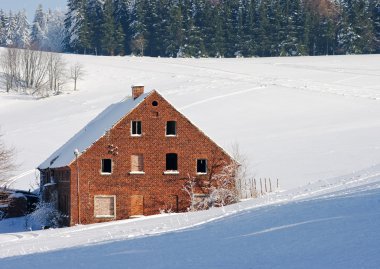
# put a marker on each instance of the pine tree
(55, 31)
(39, 28)
(22, 30)
(10, 31)
(375, 8)
(108, 40)
(77, 36)
(174, 30)
(139, 33)
(122, 19)
(3, 22)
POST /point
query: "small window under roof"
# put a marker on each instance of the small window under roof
(171, 128)
(106, 166)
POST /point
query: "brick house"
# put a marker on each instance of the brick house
(133, 159)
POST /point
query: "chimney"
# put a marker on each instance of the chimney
(137, 90)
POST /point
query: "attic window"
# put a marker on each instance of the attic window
(201, 166)
(154, 103)
(136, 128)
(106, 166)
(171, 128)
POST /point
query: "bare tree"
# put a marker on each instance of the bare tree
(223, 190)
(7, 164)
(241, 170)
(10, 63)
(76, 73)
(35, 72)
(138, 44)
(56, 72)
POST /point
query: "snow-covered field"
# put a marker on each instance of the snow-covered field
(312, 122)
(297, 119)
(321, 226)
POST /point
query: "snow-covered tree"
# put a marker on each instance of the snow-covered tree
(55, 31)
(39, 28)
(22, 31)
(10, 31)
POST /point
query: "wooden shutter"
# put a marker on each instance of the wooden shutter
(137, 205)
(104, 206)
(137, 163)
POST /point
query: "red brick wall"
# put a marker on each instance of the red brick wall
(158, 190)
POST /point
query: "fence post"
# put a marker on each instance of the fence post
(270, 185)
(266, 185)
(261, 186)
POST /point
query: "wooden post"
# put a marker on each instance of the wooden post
(270, 185)
(261, 186)
(266, 185)
(250, 187)
(255, 184)
(277, 184)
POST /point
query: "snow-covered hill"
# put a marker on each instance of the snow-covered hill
(302, 120)
(297, 119)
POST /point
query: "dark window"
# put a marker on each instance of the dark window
(136, 128)
(107, 166)
(154, 103)
(171, 128)
(171, 162)
(201, 166)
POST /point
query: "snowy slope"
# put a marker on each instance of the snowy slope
(302, 120)
(297, 119)
(316, 227)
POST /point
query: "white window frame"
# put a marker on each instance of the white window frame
(172, 172)
(166, 129)
(101, 167)
(114, 207)
(196, 167)
(136, 135)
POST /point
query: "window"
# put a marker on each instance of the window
(171, 128)
(171, 162)
(136, 128)
(154, 103)
(137, 163)
(104, 206)
(106, 166)
(201, 166)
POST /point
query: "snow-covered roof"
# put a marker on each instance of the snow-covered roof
(92, 132)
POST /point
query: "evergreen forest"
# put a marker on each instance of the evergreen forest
(201, 28)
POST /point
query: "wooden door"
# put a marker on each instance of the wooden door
(137, 205)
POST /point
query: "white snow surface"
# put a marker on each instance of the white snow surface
(298, 119)
(92, 132)
(328, 224)
(312, 122)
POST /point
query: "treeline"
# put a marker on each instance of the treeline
(223, 28)
(200, 28)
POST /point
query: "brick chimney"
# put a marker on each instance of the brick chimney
(137, 90)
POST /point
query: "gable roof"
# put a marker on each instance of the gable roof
(92, 132)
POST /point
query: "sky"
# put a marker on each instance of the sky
(31, 5)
